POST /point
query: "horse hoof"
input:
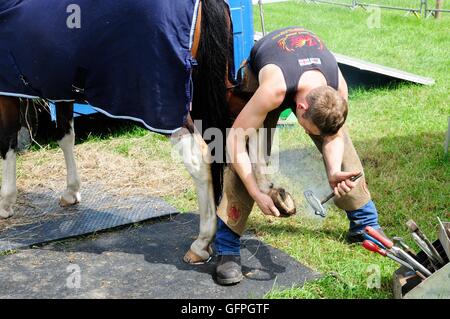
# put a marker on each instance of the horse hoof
(69, 199)
(194, 259)
(283, 201)
(6, 213)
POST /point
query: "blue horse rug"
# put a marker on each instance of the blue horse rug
(128, 59)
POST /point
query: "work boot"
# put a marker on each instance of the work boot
(228, 270)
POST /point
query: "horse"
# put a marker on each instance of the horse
(211, 49)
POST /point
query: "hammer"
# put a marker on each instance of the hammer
(316, 204)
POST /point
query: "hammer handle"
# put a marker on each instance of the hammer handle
(326, 199)
(353, 179)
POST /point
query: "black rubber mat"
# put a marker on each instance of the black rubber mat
(97, 211)
(144, 261)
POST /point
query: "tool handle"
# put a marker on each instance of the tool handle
(326, 199)
(372, 232)
(353, 179)
(373, 240)
(367, 244)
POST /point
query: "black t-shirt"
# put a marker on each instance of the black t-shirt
(294, 50)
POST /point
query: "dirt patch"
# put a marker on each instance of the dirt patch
(139, 173)
(136, 174)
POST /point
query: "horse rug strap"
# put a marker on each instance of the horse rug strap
(129, 59)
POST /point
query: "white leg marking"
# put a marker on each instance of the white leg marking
(257, 158)
(194, 152)
(71, 195)
(9, 188)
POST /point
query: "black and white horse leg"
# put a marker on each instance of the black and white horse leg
(66, 140)
(259, 151)
(9, 127)
(195, 155)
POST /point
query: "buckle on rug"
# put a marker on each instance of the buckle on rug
(79, 83)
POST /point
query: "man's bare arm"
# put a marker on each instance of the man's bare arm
(333, 153)
(342, 88)
(267, 97)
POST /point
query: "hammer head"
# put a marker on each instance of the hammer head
(315, 204)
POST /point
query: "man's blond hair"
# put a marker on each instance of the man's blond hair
(327, 109)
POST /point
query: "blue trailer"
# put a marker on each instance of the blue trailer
(242, 17)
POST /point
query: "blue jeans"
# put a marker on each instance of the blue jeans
(362, 217)
(229, 243)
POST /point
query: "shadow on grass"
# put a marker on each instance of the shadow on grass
(407, 176)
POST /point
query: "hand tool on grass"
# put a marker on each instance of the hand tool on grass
(370, 238)
(420, 237)
(317, 204)
(369, 245)
(398, 252)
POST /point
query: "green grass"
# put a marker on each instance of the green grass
(398, 132)
(8, 252)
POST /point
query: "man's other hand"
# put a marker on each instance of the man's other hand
(341, 183)
(266, 204)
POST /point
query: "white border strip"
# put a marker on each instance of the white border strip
(124, 117)
(19, 95)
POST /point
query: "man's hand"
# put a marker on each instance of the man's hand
(341, 183)
(266, 204)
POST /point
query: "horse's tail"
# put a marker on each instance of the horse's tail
(215, 66)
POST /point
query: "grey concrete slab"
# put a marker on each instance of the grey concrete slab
(142, 261)
(97, 211)
(360, 73)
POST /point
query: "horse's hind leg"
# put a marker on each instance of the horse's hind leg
(194, 152)
(9, 127)
(66, 140)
